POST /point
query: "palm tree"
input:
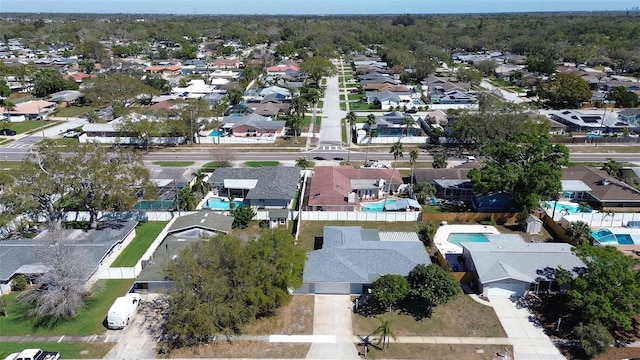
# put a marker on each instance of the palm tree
(371, 119)
(303, 163)
(199, 184)
(294, 123)
(299, 106)
(397, 150)
(413, 158)
(439, 160)
(384, 330)
(579, 233)
(9, 106)
(186, 199)
(351, 120)
(407, 122)
(235, 95)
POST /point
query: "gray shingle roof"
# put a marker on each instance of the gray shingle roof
(204, 220)
(24, 256)
(274, 182)
(355, 255)
(510, 257)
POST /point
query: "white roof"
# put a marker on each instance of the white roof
(240, 183)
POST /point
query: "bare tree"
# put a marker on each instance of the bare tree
(222, 156)
(63, 282)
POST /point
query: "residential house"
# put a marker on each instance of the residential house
(66, 97)
(269, 187)
(599, 189)
(281, 69)
(509, 266)
(343, 188)
(351, 258)
(391, 124)
(167, 70)
(630, 116)
(77, 77)
(388, 98)
(252, 125)
(378, 78)
(450, 183)
(25, 256)
(435, 84)
(453, 97)
(29, 110)
(185, 230)
(600, 121)
(228, 64)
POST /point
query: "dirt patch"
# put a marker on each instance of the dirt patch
(294, 319)
(544, 236)
(440, 352)
(243, 349)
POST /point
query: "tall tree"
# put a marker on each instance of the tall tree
(564, 90)
(623, 97)
(303, 163)
(389, 289)
(371, 120)
(48, 81)
(408, 123)
(607, 291)
(200, 183)
(118, 90)
(413, 158)
(351, 122)
(439, 160)
(433, 285)
(317, 67)
(613, 168)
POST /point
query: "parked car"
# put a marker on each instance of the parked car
(290, 132)
(7, 132)
(72, 134)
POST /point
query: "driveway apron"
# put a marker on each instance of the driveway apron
(332, 317)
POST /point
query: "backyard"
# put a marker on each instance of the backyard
(145, 234)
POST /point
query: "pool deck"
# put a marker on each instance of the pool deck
(441, 236)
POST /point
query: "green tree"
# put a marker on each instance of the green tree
(529, 168)
(9, 106)
(389, 289)
(579, 233)
(235, 95)
(439, 160)
(564, 90)
(157, 82)
(613, 168)
(486, 66)
(351, 122)
(623, 97)
(299, 105)
(385, 332)
(186, 200)
(200, 184)
(397, 149)
(541, 64)
(295, 123)
(423, 192)
(470, 75)
(303, 163)
(413, 158)
(242, 216)
(47, 81)
(317, 67)
(87, 66)
(433, 285)
(426, 233)
(607, 291)
(118, 89)
(5, 91)
(92, 50)
(593, 339)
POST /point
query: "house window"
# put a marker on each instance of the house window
(282, 221)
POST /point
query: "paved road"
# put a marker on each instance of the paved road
(514, 98)
(331, 126)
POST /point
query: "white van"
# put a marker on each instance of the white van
(122, 311)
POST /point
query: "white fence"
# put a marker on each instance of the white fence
(126, 215)
(359, 216)
(236, 140)
(604, 219)
(393, 139)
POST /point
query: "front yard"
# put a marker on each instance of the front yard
(67, 350)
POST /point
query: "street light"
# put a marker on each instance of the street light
(603, 116)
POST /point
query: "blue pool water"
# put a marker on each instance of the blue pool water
(377, 206)
(456, 239)
(604, 236)
(216, 133)
(220, 204)
(566, 208)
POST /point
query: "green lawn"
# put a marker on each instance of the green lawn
(12, 165)
(25, 126)
(67, 350)
(89, 320)
(173, 163)
(212, 165)
(257, 164)
(145, 234)
(73, 111)
(65, 141)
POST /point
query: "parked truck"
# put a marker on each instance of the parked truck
(122, 311)
(34, 354)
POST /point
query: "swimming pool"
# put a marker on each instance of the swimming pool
(377, 206)
(216, 133)
(605, 236)
(457, 238)
(565, 207)
(216, 203)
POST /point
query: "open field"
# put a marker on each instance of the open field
(145, 234)
(460, 317)
(89, 320)
(67, 350)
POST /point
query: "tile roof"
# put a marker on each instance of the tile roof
(355, 255)
(273, 182)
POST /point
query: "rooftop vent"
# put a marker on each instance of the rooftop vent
(606, 181)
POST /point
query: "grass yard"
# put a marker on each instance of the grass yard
(173, 163)
(257, 164)
(145, 234)
(212, 165)
(67, 350)
(89, 320)
(293, 319)
(242, 350)
(65, 141)
(26, 126)
(309, 230)
(460, 317)
(73, 111)
(440, 352)
(11, 165)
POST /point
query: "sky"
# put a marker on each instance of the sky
(315, 7)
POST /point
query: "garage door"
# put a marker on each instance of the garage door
(333, 288)
(505, 289)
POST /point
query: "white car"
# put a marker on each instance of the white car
(72, 134)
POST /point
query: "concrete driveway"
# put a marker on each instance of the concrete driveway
(529, 342)
(332, 317)
(134, 341)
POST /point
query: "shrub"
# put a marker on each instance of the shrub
(19, 283)
(488, 221)
(594, 338)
